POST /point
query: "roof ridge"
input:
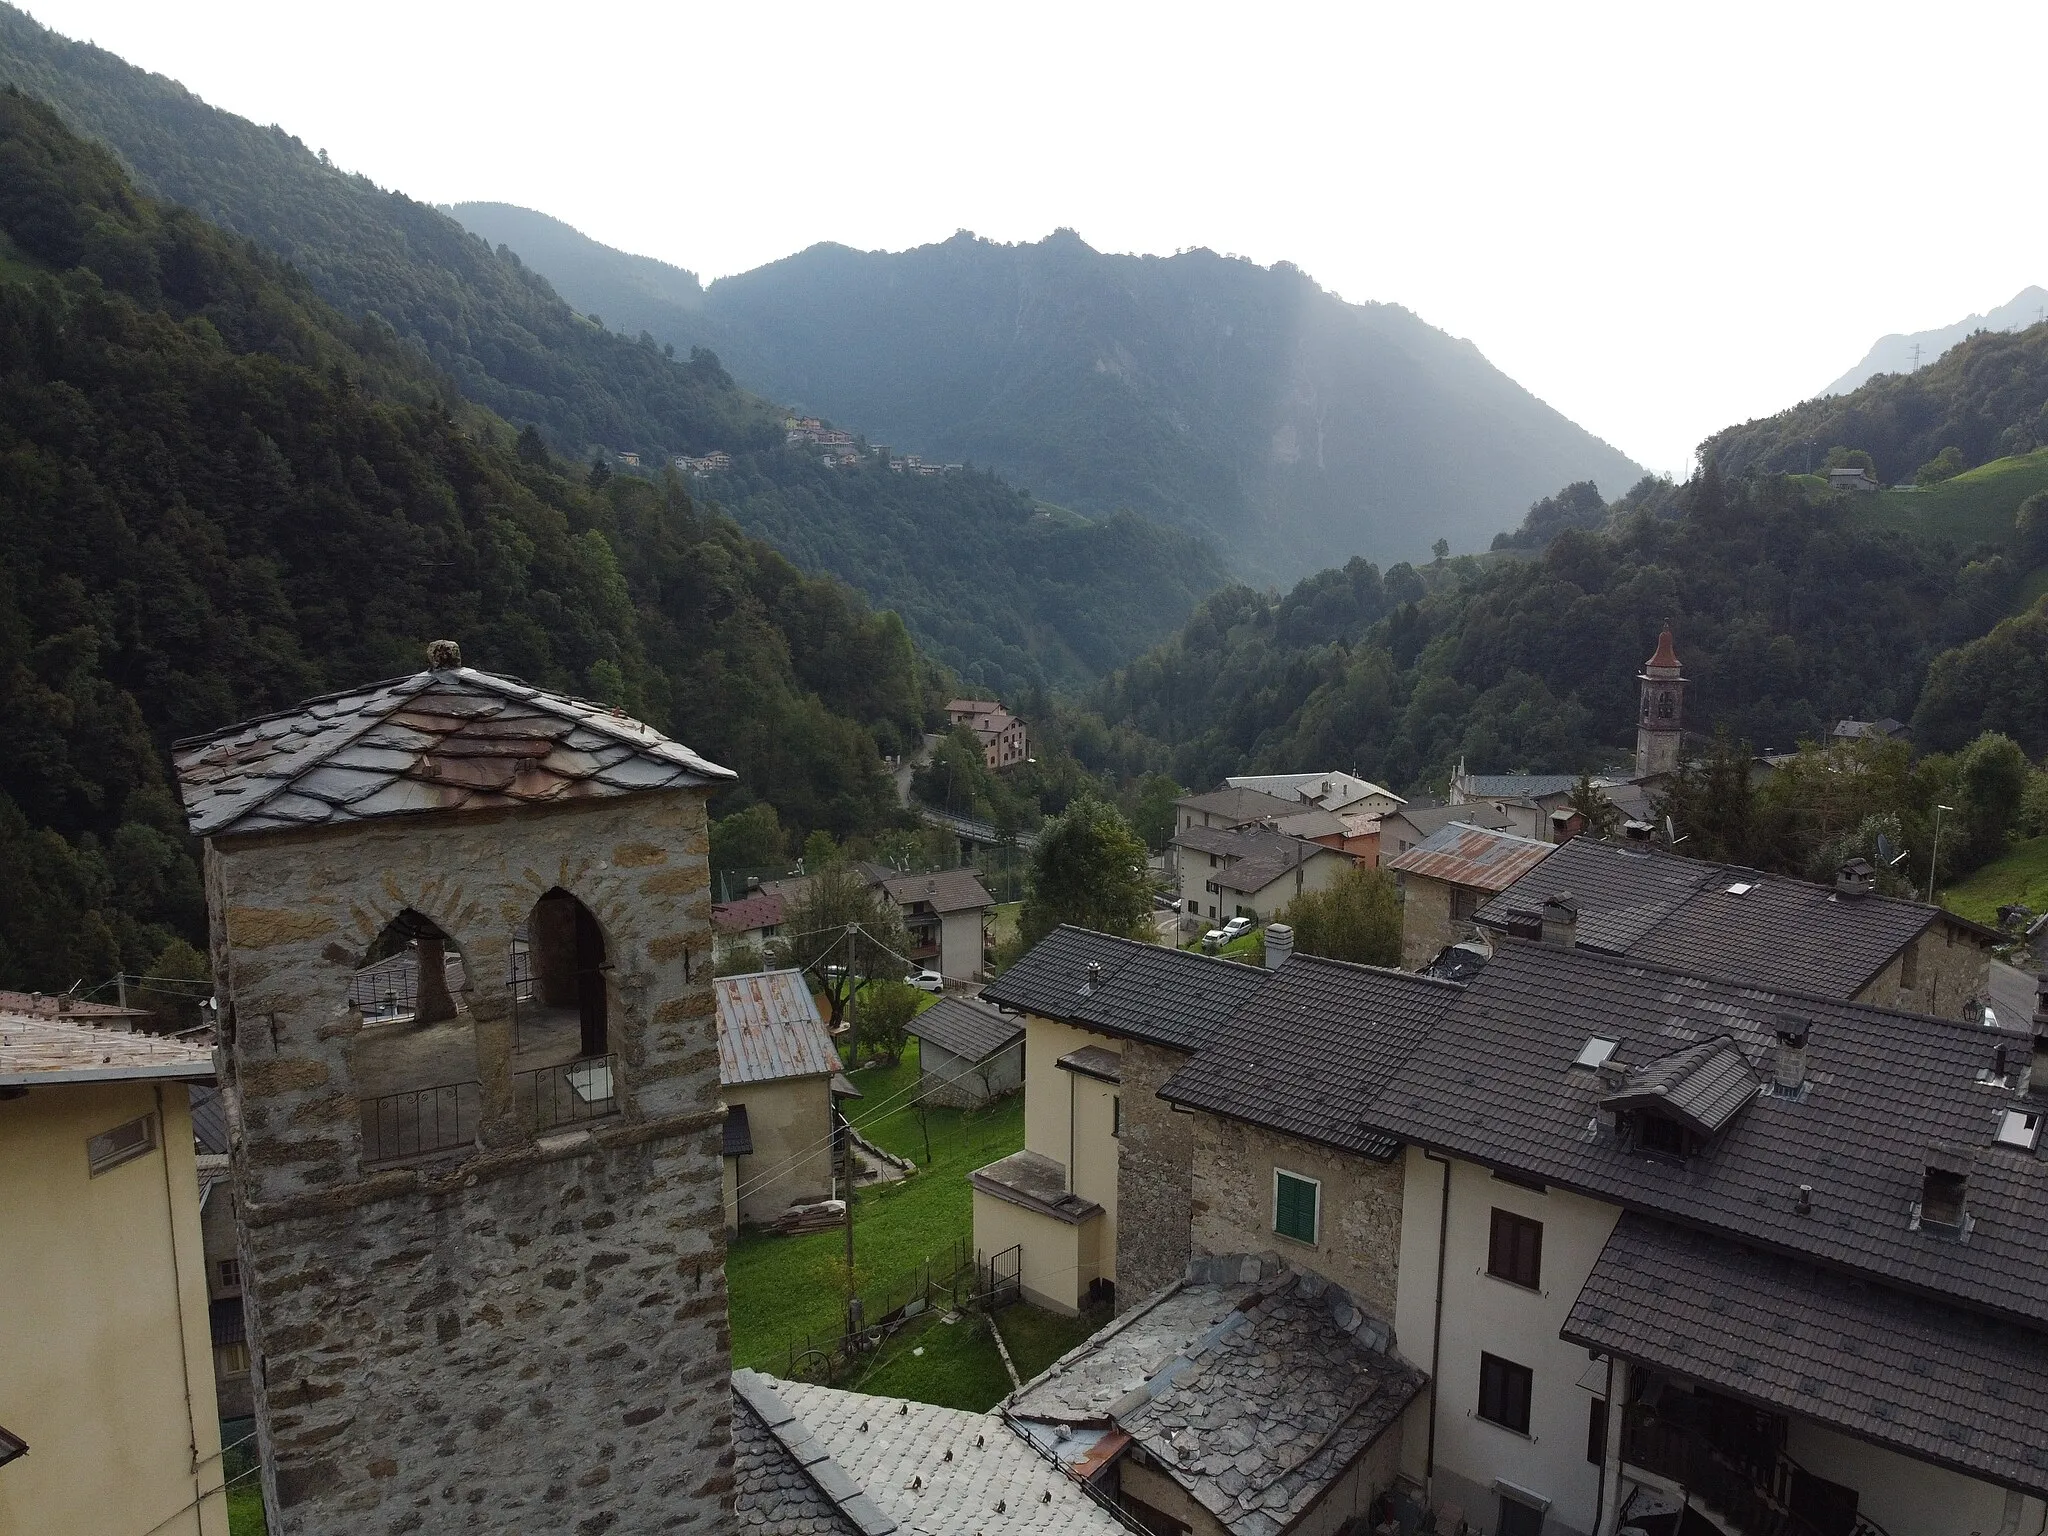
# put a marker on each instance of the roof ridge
(1391, 972)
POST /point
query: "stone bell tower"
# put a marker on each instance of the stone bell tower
(1659, 724)
(460, 931)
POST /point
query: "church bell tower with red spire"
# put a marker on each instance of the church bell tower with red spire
(1659, 728)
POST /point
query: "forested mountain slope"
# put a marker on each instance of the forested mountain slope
(1242, 402)
(1790, 614)
(508, 341)
(1986, 398)
(218, 495)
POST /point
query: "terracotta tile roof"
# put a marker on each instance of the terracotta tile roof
(448, 739)
(39, 1050)
(1169, 997)
(746, 914)
(1912, 1374)
(769, 1028)
(1476, 857)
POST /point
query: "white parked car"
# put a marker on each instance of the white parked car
(1236, 927)
(927, 981)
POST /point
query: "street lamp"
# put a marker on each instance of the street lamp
(1935, 862)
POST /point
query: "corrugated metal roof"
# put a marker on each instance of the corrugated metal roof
(53, 1051)
(448, 739)
(769, 1028)
(1477, 857)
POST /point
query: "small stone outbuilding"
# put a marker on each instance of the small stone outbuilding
(968, 1053)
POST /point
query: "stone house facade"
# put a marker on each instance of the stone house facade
(515, 1307)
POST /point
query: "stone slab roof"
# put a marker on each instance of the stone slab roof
(1685, 913)
(971, 1030)
(1169, 997)
(1905, 1372)
(1478, 858)
(1253, 1386)
(786, 1483)
(769, 1028)
(35, 1051)
(1494, 1081)
(945, 890)
(1094, 1061)
(941, 1471)
(448, 739)
(1307, 1054)
(1036, 1182)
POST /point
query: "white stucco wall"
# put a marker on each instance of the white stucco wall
(1908, 1497)
(1484, 1314)
(960, 948)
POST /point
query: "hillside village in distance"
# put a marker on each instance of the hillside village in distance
(1645, 1194)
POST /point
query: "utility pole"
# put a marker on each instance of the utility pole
(121, 987)
(1934, 863)
(846, 1143)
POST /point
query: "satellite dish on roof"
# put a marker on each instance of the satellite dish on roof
(1885, 856)
(1671, 837)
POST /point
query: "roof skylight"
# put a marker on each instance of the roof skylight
(1742, 888)
(1595, 1052)
(2019, 1128)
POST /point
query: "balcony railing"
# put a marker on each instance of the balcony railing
(420, 1122)
(1752, 1497)
(549, 1097)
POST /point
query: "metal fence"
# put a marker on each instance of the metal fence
(420, 1122)
(586, 1089)
(948, 1280)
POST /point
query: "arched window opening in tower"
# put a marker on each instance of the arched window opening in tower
(564, 1069)
(414, 1060)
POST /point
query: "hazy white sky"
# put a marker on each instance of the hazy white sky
(1659, 218)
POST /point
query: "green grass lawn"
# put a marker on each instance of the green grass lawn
(1002, 922)
(784, 1287)
(2021, 875)
(1977, 506)
(1037, 1338)
(245, 1509)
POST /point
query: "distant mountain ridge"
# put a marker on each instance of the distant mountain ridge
(1897, 353)
(983, 576)
(1242, 402)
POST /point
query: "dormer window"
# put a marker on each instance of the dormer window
(2019, 1128)
(1655, 1133)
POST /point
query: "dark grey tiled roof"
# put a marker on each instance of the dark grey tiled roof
(1518, 786)
(945, 890)
(1622, 893)
(1493, 1081)
(1169, 997)
(1238, 806)
(968, 1029)
(1426, 819)
(1932, 1381)
(450, 739)
(1680, 912)
(1307, 1053)
(739, 1132)
(209, 1119)
(1704, 1085)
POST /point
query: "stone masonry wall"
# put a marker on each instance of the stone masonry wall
(529, 1334)
(1154, 1182)
(1952, 966)
(1358, 1238)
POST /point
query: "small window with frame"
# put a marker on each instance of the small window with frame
(231, 1274)
(1297, 1204)
(232, 1359)
(1505, 1389)
(123, 1144)
(1514, 1250)
(1656, 1133)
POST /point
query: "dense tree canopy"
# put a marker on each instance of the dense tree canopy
(1088, 869)
(220, 497)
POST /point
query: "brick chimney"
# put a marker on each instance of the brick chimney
(1788, 1067)
(1561, 921)
(1855, 880)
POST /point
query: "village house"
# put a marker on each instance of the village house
(1523, 802)
(1843, 941)
(1233, 806)
(1412, 824)
(1448, 876)
(969, 1053)
(1004, 740)
(746, 924)
(107, 1412)
(1853, 478)
(1663, 1233)
(1097, 1202)
(1886, 729)
(1332, 791)
(221, 1253)
(1250, 871)
(778, 1071)
(946, 915)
